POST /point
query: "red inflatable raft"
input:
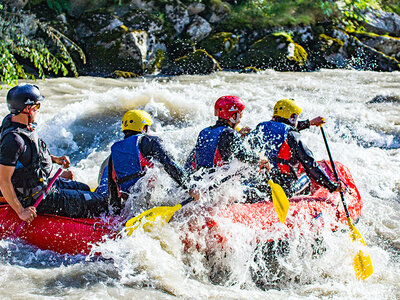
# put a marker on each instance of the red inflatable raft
(76, 236)
(319, 209)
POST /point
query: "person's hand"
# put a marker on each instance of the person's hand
(318, 121)
(195, 194)
(28, 214)
(67, 174)
(244, 131)
(62, 160)
(264, 163)
(341, 187)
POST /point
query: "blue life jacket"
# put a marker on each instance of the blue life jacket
(125, 156)
(273, 136)
(207, 146)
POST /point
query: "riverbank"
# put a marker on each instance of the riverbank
(135, 38)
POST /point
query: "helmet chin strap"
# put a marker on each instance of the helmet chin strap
(236, 119)
(293, 119)
(31, 125)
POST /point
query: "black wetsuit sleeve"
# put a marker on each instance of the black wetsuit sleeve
(151, 147)
(189, 162)
(231, 145)
(303, 154)
(301, 125)
(11, 149)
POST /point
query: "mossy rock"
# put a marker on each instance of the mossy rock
(198, 62)
(277, 51)
(122, 74)
(220, 43)
(177, 48)
(157, 62)
(219, 6)
(120, 51)
(222, 46)
(250, 70)
(383, 43)
(97, 21)
(364, 57)
(329, 45)
(216, 10)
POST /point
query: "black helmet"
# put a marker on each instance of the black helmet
(22, 95)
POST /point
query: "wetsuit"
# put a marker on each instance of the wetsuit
(283, 145)
(131, 157)
(218, 145)
(24, 150)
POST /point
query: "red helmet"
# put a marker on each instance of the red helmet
(226, 106)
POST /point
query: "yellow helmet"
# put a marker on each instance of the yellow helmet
(135, 120)
(285, 108)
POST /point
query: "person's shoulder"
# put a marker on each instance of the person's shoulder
(229, 131)
(230, 134)
(259, 126)
(13, 138)
(150, 140)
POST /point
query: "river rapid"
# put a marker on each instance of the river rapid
(81, 118)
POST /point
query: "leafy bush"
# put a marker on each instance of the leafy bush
(22, 55)
(253, 14)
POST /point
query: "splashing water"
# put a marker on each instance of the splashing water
(81, 118)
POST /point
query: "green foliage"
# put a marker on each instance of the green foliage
(58, 6)
(391, 5)
(254, 14)
(24, 56)
(246, 14)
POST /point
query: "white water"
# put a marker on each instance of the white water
(81, 118)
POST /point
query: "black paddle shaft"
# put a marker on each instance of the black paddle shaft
(190, 199)
(335, 172)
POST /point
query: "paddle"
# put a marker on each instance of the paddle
(280, 200)
(362, 262)
(41, 197)
(165, 213)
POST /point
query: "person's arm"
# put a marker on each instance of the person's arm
(190, 162)
(317, 121)
(301, 125)
(151, 147)
(306, 158)
(7, 189)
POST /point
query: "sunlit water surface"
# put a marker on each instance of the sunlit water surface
(81, 118)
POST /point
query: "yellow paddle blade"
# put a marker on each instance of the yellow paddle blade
(280, 200)
(355, 234)
(161, 214)
(362, 265)
(362, 262)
